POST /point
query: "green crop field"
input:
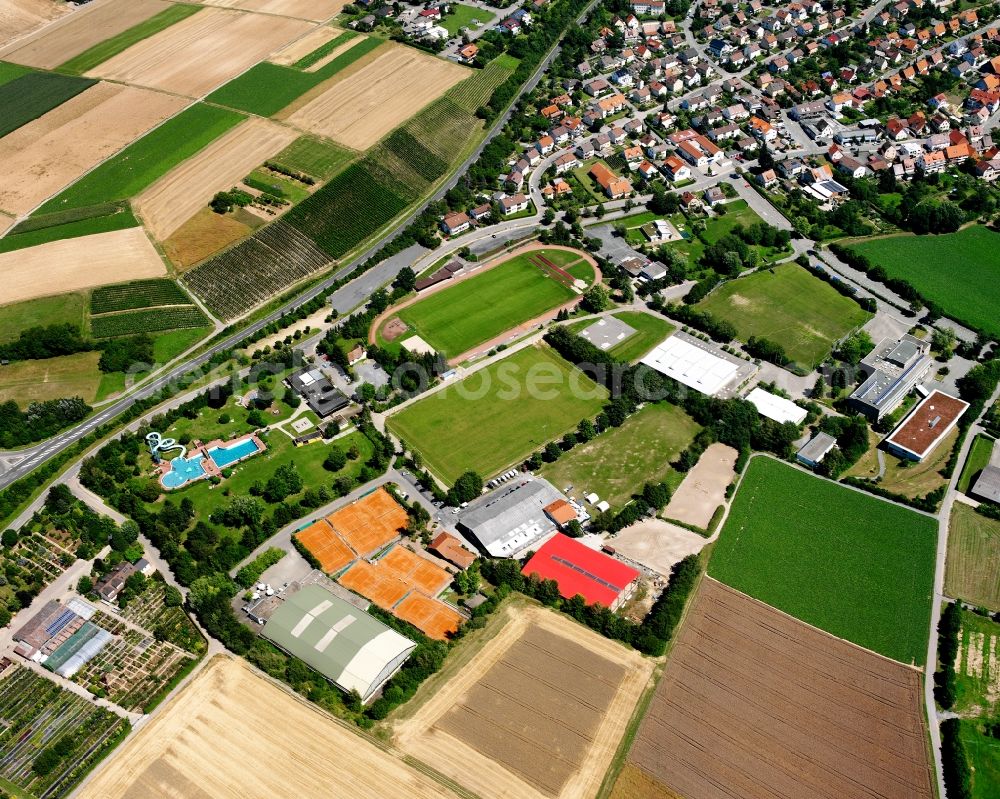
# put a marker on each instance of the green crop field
(482, 307)
(617, 463)
(841, 560)
(959, 271)
(149, 320)
(9, 71)
(979, 458)
(60, 309)
(147, 159)
(971, 571)
(498, 416)
(267, 88)
(788, 306)
(117, 218)
(324, 50)
(314, 157)
(100, 53)
(29, 96)
(138, 294)
(463, 17)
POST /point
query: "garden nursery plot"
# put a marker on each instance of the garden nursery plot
(492, 419)
(767, 706)
(790, 307)
(959, 271)
(490, 302)
(864, 572)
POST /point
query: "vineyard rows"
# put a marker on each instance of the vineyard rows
(473, 93)
(139, 294)
(426, 164)
(150, 320)
(256, 269)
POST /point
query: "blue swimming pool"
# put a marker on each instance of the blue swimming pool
(223, 456)
(183, 470)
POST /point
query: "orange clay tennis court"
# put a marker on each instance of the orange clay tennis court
(381, 586)
(435, 619)
(326, 546)
(370, 523)
(416, 570)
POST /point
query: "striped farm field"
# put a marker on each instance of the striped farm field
(475, 91)
(150, 320)
(30, 96)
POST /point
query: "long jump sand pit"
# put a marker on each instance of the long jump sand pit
(92, 24)
(43, 157)
(538, 712)
(704, 487)
(20, 17)
(232, 733)
(755, 704)
(315, 10)
(201, 52)
(360, 108)
(73, 264)
(182, 192)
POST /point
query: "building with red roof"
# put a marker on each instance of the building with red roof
(578, 569)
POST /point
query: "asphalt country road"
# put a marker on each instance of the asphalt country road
(15, 465)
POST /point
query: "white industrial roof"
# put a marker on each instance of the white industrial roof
(775, 407)
(691, 365)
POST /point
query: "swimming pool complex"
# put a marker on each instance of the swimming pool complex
(207, 461)
(223, 456)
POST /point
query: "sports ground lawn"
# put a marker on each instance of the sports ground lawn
(788, 306)
(617, 463)
(498, 416)
(147, 159)
(959, 271)
(972, 572)
(841, 560)
(477, 309)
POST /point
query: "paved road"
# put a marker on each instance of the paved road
(16, 465)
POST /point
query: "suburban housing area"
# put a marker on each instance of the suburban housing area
(551, 399)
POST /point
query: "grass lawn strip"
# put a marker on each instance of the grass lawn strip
(120, 220)
(649, 331)
(463, 16)
(848, 563)
(979, 459)
(475, 310)
(34, 94)
(100, 53)
(51, 378)
(788, 306)
(983, 752)
(959, 271)
(59, 309)
(971, 571)
(617, 463)
(147, 159)
(489, 421)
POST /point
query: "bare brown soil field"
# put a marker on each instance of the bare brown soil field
(20, 17)
(43, 157)
(359, 109)
(92, 24)
(6, 223)
(300, 48)
(537, 712)
(634, 783)
(315, 10)
(704, 487)
(201, 52)
(73, 264)
(657, 544)
(233, 733)
(177, 196)
(754, 703)
(203, 235)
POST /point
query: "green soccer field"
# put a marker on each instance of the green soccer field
(841, 560)
(476, 310)
(790, 307)
(496, 417)
(959, 271)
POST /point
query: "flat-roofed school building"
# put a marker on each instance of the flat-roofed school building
(926, 426)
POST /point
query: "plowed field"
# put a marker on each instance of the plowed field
(756, 704)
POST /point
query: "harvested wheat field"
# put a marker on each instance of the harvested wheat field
(538, 712)
(315, 10)
(201, 52)
(43, 157)
(95, 22)
(335, 53)
(233, 733)
(20, 17)
(361, 108)
(300, 48)
(82, 263)
(204, 234)
(178, 195)
(704, 487)
(754, 703)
